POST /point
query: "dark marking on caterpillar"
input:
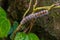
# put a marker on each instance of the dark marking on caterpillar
(34, 16)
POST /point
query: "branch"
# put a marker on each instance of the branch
(27, 9)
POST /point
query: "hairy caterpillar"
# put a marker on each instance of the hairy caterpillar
(34, 16)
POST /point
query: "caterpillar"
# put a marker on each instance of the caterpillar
(57, 3)
(34, 16)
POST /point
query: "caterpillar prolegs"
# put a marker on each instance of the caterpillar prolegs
(34, 16)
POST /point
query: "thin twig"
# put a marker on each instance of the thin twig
(27, 9)
(20, 25)
(48, 7)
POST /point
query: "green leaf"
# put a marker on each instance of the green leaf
(4, 27)
(27, 37)
(20, 36)
(2, 12)
(32, 36)
(23, 36)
